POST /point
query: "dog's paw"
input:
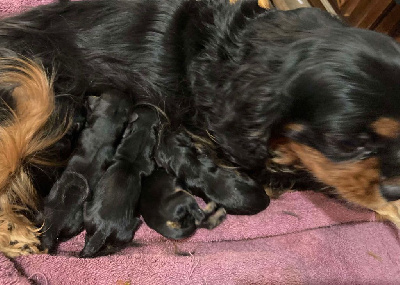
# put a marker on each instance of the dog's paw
(390, 212)
(185, 216)
(214, 216)
(19, 238)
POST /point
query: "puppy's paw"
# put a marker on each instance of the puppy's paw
(214, 216)
(185, 216)
(62, 214)
(108, 236)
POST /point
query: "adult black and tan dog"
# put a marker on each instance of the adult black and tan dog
(275, 94)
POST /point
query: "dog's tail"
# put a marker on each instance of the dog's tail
(26, 130)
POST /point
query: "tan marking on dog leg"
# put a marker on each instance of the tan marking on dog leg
(173, 225)
(29, 130)
(181, 190)
(209, 208)
(216, 219)
(18, 238)
(266, 4)
(390, 212)
(386, 127)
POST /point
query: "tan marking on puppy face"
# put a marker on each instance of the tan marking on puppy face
(386, 127)
(173, 225)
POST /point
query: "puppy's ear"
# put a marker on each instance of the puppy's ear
(92, 102)
(70, 190)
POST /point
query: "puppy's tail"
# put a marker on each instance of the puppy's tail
(26, 130)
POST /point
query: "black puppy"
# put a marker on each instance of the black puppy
(172, 211)
(62, 212)
(110, 216)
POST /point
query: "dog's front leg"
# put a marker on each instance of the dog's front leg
(172, 211)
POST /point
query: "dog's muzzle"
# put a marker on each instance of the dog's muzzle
(390, 189)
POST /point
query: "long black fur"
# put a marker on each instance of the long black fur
(110, 217)
(197, 173)
(62, 213)
(167, 203)
(235, 74)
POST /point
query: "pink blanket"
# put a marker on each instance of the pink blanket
(302, 238)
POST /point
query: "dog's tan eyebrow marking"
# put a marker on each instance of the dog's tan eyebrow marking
(386, 127)
(294, 127)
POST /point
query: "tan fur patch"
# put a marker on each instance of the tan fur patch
(356, 181)
(173, 225)
(294, 127)
(18, 239)
(266, 4)
(390, 211)
(282, 153)
(386, 127)
(23, 137)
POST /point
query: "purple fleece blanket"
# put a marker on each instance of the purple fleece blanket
(302, 238)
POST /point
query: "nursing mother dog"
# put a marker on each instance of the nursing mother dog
(285, 96)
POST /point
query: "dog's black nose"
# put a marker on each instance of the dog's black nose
(390, 192)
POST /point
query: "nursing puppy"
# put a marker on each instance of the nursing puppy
(110, 217)
(62, 214)
(167, 204)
